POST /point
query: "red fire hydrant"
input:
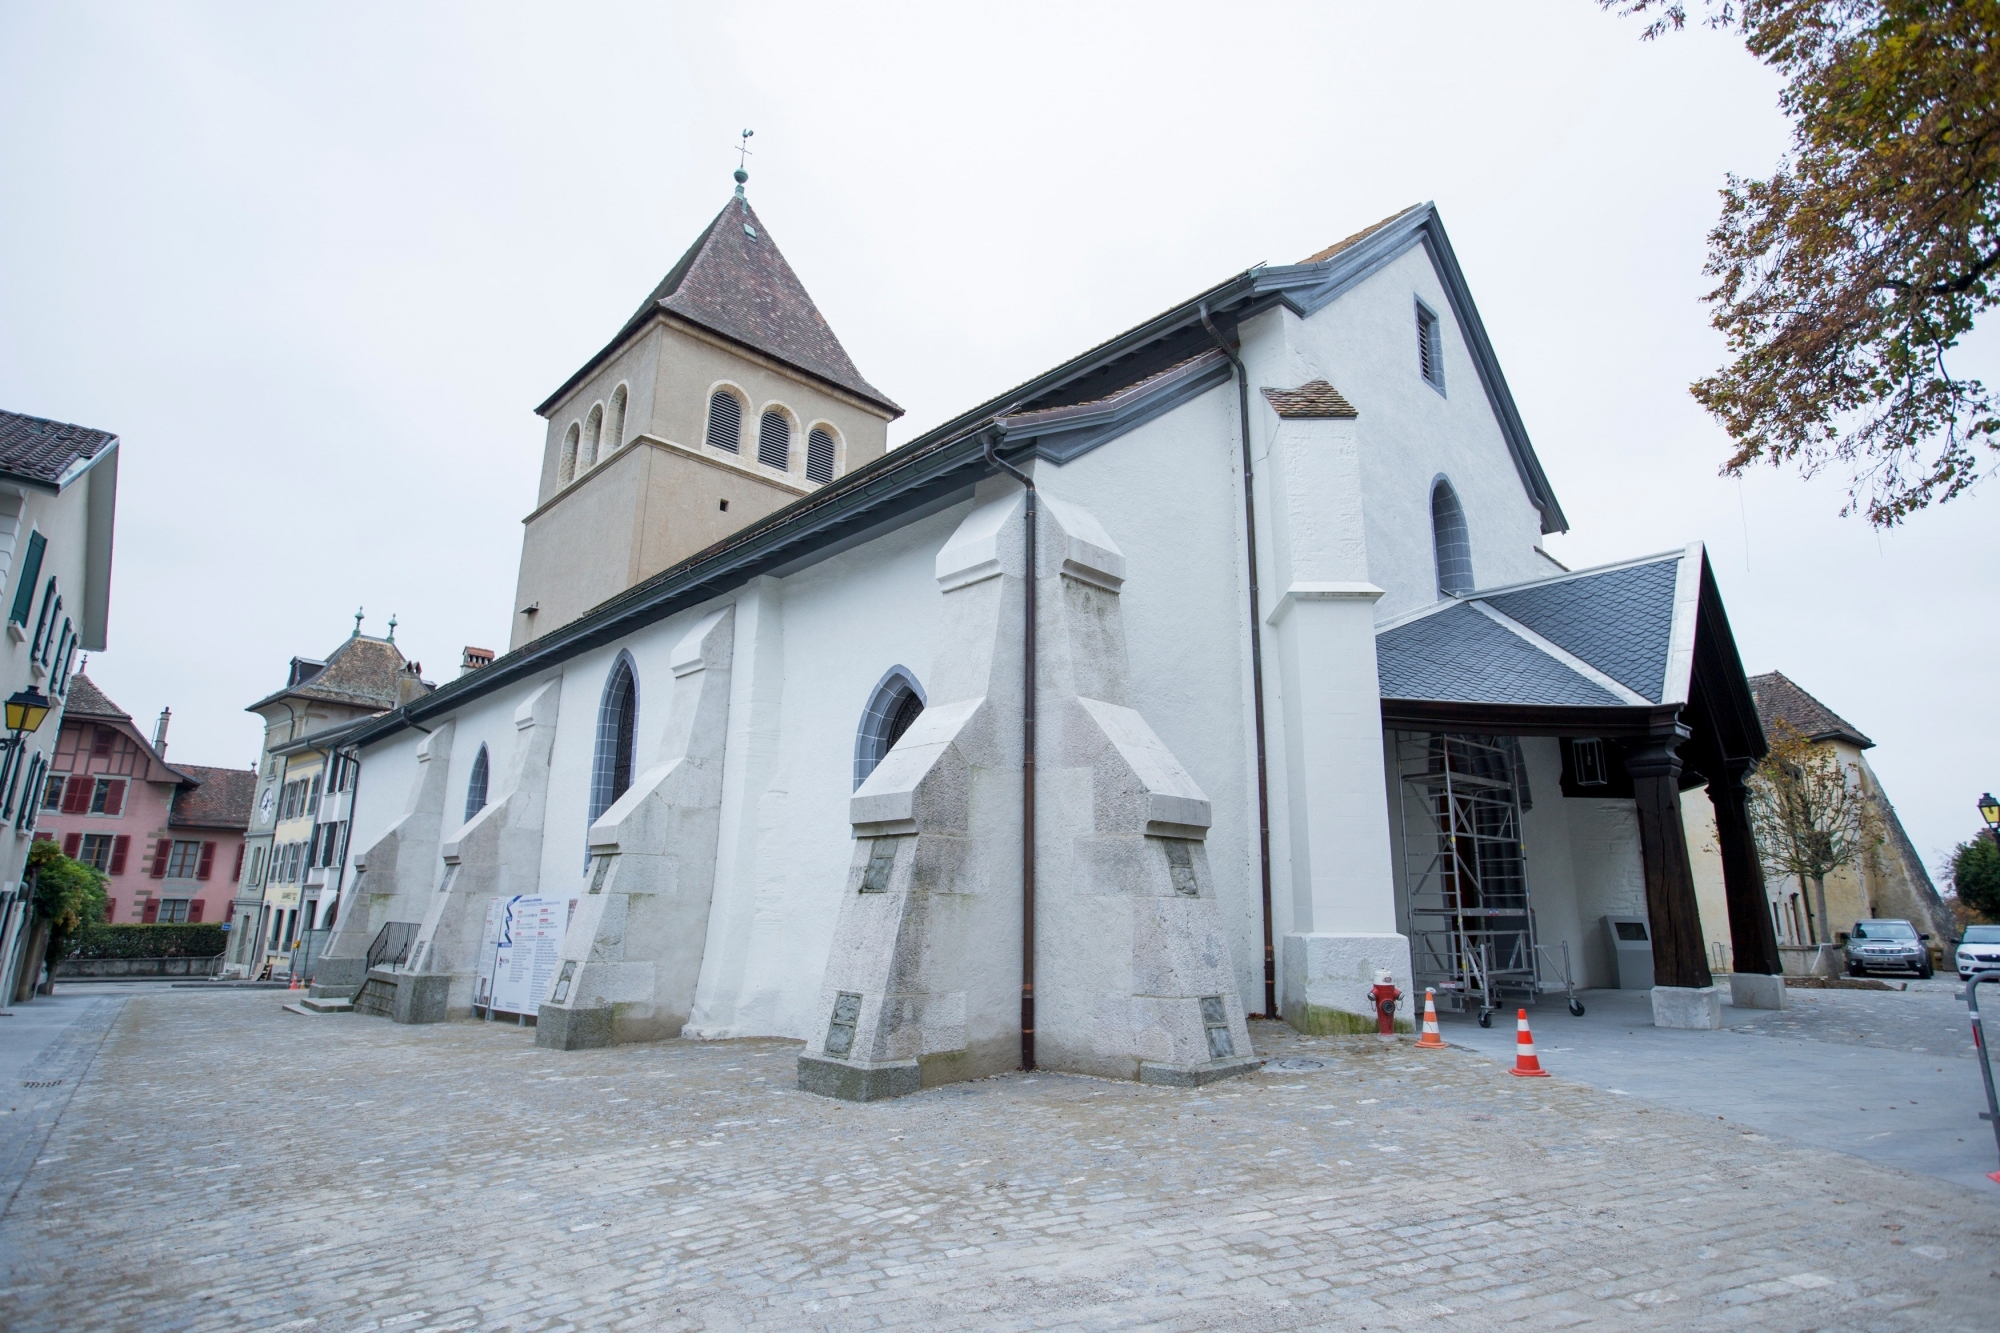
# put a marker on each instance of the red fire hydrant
(1386, 995)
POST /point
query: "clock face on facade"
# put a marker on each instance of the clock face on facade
(270, 801)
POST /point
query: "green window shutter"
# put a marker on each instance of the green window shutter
(31, 573)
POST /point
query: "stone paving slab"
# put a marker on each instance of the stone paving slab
(225, 1165)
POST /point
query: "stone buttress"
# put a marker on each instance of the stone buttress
(397, 868)
(633, 953)
(1134, 978)
(495, 854)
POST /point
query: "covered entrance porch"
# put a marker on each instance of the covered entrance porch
(1539, 740)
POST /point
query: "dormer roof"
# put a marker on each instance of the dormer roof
(733, 281)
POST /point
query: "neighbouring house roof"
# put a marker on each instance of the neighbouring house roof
(86, 700)
(48, 454)
(1084, 402)
(222, 800)
(734, 281)
(86, 703)
(1780, 699)
(364, 672)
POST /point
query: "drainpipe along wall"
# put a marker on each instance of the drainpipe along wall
(1256, 662)
(1027, 769)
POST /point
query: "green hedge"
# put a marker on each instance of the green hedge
(133, 941)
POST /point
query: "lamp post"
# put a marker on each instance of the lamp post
(26, 709)
(1989, 810)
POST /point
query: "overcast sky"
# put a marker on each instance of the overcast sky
(317, 264)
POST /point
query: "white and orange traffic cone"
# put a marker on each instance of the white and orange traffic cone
(1431, 1040)
(1525, 1063)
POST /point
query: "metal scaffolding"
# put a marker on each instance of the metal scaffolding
(1468, 914)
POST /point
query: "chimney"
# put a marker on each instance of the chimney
(160, 731)
(474, 659)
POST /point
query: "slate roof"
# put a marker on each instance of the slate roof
(222, 801)
(86, 700)
(363, 672)
(47, 452)
(1315, 398)
(1618, 621)
(1778, 698)
(1462, 656)
(734, 281)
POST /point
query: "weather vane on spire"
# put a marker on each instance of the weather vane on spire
(742, 157)
(357, 622)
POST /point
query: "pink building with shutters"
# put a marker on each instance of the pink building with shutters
(170, 839)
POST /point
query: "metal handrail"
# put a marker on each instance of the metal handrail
(1992, 1112)
(392, 944)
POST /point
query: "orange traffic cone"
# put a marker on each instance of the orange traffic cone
(1525, 1063)
(295, 983)
(1430, 1041)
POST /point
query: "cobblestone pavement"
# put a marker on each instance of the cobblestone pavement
(1928, 1018)
(224, 1165)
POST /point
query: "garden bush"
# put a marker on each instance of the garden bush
(135, 941)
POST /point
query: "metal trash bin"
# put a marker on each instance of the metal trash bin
(1632, 948)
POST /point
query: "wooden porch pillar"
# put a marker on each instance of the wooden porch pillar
(1680, 957)
(1753, 938)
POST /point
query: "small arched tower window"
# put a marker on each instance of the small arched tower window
(896, 703)
(819, 455)
(617, 723)
(566, 468)
(614, 432)
(725, 421)
(774, 440)
(593, 435)
(475, 786)
(1451, 542)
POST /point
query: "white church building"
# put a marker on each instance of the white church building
(1203, 676)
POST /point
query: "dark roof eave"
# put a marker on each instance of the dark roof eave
(658, 314)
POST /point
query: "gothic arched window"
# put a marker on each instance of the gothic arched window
(614, 432)
(896, 702)
(566, 466)
(774, 440)
(617, 721)
(1451, 542)
(725, 421)
(593, 437)
(819, 455)
(475, 786)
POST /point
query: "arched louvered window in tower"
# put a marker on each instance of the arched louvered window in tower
(774, 440)
(593, 436)
(614, 425)
(725, 421)
(475, 786)
(1451, 542)
(819, 455)
(617, 722)
(566, 467)
(896, 703)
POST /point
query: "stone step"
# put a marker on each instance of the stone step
(312, 1008)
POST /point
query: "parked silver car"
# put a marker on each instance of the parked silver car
(1979, 951)
(1887, 946)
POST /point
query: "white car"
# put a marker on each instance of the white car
(1979, 951)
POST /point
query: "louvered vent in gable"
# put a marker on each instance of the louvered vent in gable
(774, 441)
(819, 455)
(1430, 353)
(725, 421)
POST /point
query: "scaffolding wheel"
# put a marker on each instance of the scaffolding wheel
(1486, 1018)
(1576, 1008)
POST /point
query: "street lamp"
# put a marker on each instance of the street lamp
(26, 710)
(1989, 810)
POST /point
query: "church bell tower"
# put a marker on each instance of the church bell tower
(725, 397)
